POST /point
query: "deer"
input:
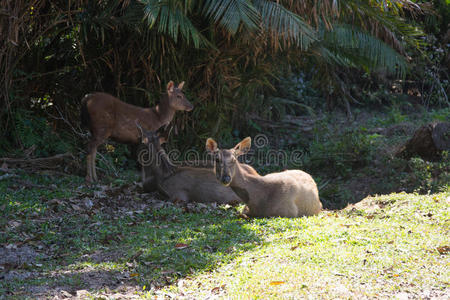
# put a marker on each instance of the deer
(291, 193)
(108, 117)
(178, 183)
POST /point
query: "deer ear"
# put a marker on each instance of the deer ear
(163, 134)
(144, 139)
(211, 145)
(162, 140)
(180, 86)
(170, 86)
(243, 147)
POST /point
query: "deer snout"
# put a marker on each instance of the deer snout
(226, 180)
(189, 107)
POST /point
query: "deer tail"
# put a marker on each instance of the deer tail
(84, 113)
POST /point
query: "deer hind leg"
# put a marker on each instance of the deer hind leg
(286, 209)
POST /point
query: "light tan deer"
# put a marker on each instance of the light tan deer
(185, 184)
(108, 117)
(291, 193)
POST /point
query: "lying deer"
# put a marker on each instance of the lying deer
(108, 117)
(291, 193)
(185, 184)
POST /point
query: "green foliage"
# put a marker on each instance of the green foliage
(117, 158)
(32, 130)
(230, 14)
(348, 46)
(230, 52)
(421, 176)
(393, 116)
(340, 154)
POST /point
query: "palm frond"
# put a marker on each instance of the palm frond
(389, 24)
(231, 13)
(169, 17)
(284, 23)
(351, 47)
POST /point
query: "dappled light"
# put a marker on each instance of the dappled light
(224, 149)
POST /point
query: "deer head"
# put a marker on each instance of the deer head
(177, 100)
(226, 160)
(157, 155)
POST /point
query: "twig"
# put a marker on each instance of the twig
(108, 164)
(61, 117)
(5, 176)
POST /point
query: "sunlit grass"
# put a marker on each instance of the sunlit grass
(383, 246)
(349, 254)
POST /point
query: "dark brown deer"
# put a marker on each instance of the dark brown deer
(291, 193)
(108, 117)
(184, 184)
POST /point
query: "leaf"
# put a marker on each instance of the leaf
(171, 19)
(180, 246)
(136, 255)
(277, 282)
(134, 274)
(14, 224)
(231, 13)
(218, 289)
(443, 249)
(352, 47)
(285, 24)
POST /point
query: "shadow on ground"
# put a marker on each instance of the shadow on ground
(114, 239)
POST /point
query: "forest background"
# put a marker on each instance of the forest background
(307, 74)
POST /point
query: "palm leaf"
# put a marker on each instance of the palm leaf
(284, 23)
(351, 47)
(231, 13)
(169, 17)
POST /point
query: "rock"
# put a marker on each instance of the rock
(428, 142)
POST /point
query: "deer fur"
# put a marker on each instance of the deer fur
(108, 117)
(184, 184)
(291, 193)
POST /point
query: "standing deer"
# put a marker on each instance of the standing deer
(291, 193)
(108, 117)
(185, 184)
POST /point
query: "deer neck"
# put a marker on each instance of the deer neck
(244, 185)
(162, 165)
(163, 111)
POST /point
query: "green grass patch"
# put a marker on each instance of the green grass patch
(386, 246)
(111, 239)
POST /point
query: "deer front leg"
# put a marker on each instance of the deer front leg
(92, 153)
(150, 184)
(88, 168)
(94, 172)
(179, 196)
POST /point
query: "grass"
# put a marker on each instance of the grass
(355, 253)
(112, 239)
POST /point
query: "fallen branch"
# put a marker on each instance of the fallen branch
(50, 163)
